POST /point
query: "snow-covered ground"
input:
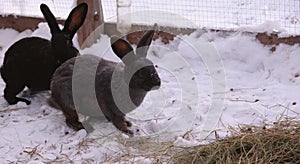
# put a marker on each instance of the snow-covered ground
(260, 87)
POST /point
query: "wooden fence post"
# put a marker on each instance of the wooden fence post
(93, 25)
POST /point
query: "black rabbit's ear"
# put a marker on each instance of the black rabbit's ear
(145, 42)
(75, 19)
(122, 48)
(54, 28)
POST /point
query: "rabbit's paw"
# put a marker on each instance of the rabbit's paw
(128, 123)
(76, 125)
(122, 125)
(26, 101)
(17, 99)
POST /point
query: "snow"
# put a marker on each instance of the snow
(210, 82)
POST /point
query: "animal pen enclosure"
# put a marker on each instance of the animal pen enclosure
(260, 87)
(173, 16)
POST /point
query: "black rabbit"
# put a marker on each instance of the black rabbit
(32, 61)
(118, 87)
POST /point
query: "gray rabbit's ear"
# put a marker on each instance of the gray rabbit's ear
(54, 28)
(145, 41)
(122, 49)
(75, 19)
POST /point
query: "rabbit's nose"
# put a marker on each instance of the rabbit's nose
(155, 87)
(156, 82)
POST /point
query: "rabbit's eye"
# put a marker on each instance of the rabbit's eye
(141, 73)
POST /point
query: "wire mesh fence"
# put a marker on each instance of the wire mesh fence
(60, 8)
(216, 14)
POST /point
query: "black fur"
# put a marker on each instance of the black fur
(32, 61)
(142, 81)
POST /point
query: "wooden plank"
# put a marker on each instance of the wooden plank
(166, 34)
(21, 23)
(274, 39)
(93, 24)
(111, 29)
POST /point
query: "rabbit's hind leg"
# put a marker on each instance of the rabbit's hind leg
(72, 118)
(69, 112)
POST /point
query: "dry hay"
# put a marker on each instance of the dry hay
(278, 144)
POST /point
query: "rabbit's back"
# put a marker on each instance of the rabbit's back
(26, 49)
(82, 68)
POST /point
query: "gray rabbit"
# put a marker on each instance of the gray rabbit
(118, 87)
(32, 61)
